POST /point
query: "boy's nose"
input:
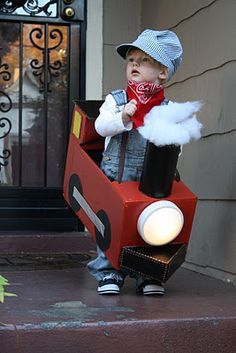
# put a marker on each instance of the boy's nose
(136, 62)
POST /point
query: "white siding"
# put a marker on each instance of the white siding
(94, 49)
(121, 24)
(207, 30)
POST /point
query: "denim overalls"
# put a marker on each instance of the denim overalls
(134, 156)
(133, 164)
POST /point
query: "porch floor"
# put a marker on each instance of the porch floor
(58, 310)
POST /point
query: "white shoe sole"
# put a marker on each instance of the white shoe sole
(153, 289)
(109, 289)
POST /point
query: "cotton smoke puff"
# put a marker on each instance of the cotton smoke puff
(175, 123)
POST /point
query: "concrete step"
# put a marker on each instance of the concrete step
(43, 242)
(58, 310)
(33, 209)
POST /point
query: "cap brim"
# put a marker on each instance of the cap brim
(123, 48)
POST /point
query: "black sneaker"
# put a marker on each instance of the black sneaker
(108, 286)
(151, 287)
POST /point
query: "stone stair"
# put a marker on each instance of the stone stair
(58, 310)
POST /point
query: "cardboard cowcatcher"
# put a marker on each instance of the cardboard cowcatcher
(110, 210)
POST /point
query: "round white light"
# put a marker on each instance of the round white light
(160, 223)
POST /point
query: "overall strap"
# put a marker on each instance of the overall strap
(165, 101)
(123, 144)
(120, 96)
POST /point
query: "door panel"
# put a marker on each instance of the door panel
(37, 87)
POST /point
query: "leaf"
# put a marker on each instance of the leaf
(2, 324)
(3, 281)
(3, 294)
(1, 297)
(6, 294)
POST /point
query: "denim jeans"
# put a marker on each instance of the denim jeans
(101, 268)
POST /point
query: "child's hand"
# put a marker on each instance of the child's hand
(129, 110)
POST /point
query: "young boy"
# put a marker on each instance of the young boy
(152, 59)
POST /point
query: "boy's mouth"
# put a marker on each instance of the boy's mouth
(134, 72)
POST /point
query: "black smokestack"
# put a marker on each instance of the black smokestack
(159, 169)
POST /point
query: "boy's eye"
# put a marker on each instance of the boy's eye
(146, 59)
(143, 60)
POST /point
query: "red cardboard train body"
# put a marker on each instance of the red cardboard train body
(110, 210)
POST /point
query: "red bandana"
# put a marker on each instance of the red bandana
(147, 95)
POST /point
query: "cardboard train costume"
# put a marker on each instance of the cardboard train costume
(142, 227)
(112, 211)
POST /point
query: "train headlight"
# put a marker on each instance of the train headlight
(160, 223)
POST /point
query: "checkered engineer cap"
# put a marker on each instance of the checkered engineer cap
(163, 46)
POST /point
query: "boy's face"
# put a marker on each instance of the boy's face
(142, 68)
